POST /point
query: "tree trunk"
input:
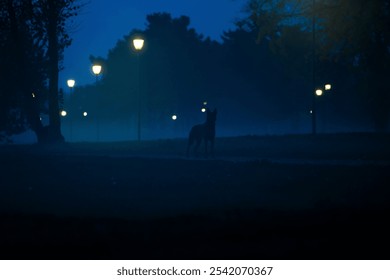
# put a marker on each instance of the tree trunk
(54, 132)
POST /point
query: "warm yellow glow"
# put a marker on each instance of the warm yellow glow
(71, 83)
(328, 87)
(203, 110)
(174, 117)
(319, 92)
(63, 113)
(138, 44)
(85, 114)
(96, 69)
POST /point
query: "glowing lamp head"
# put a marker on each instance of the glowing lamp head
(203, 110)
(138, 43)
(71, 83)
(328, 87)
(96, 69)
(319, 92)
(174, 117)
(63, 113)
(85, 114)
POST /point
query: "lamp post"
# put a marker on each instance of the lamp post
(97, 69)
(138, 44)
(317, 93)
(71, 83)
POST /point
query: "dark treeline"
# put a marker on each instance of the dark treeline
(259, 76)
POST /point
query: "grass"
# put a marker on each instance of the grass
(146, 200)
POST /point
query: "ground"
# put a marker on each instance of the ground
(270, 197)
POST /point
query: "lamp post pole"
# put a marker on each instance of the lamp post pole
(138, 44)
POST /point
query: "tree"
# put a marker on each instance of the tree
(358, 32)
(349, 35)
(33, 36)
(22, 68)
(51, 18)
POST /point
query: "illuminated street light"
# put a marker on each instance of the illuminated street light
(319, 92)
(85, 114)
(96, 69)
(63, 113)
(138, 44)
(174, 117)
(71, 83)
(328, 87)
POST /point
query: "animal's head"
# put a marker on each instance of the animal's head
(211, 116)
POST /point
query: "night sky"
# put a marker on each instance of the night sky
(101, 24)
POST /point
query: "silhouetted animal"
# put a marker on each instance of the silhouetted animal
(203, 132)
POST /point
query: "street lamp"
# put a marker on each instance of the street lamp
(138, 44)
(317, 93)
(71, 83)
(97, 69)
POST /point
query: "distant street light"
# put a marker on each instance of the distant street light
(138, 44)
(318, 92)
(174, 117)
(203, 110)
(63, 113)
(97, 69)
(85, 114)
